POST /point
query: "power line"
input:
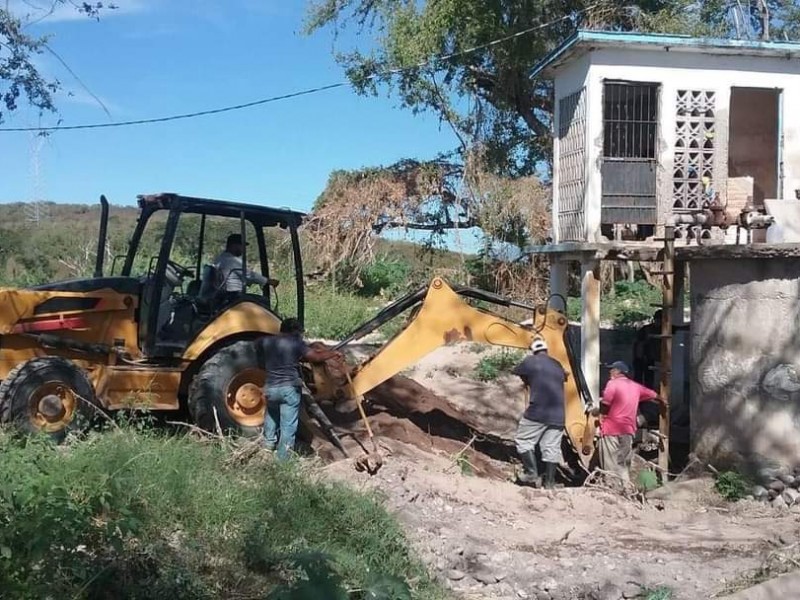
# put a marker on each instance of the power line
(214, 111)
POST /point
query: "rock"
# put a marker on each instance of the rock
(455, 575)
(787, 479)
(549, 584)
(777, 485)
(485, 576)
(609, 591)
(778, 503)
(790, 496)
(759, 492)
(772, 494)
(522, 594)
(631, 590)
(768, 473)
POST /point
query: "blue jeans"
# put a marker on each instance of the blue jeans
(283, 410)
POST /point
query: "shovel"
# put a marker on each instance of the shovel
(371, 462)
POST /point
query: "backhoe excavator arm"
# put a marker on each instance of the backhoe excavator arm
(441, 317)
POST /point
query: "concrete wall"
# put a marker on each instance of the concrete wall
(745, 349)
(682, 70)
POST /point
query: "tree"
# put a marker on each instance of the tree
(433, 197)
(488, 95)
(20, 77)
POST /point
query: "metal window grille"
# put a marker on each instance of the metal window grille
(571, 166)
(630, 120)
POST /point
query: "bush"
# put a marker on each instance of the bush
(492, 366)
(630, 304)
(385, 276)
(659, 593)
(732, 486)
(127, 514)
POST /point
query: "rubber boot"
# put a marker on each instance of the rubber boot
(530, 470)
(550, 475)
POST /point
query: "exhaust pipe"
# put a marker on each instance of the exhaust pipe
(101, 238)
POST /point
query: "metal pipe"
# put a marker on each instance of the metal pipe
(668, 291)
(298, 273)
(101, 238)
(201, 242)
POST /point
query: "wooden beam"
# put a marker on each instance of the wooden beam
(668, 289)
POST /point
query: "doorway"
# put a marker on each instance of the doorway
(754, 143)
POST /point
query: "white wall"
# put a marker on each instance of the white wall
(681, 70)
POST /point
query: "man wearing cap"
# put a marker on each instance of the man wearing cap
(231, 270)
(619, 407)
(542, 424)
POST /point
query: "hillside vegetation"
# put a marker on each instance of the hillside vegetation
(63, 243)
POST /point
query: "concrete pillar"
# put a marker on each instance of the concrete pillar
(590, 325)
(559, 278)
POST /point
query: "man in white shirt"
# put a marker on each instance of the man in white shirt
(231, 270)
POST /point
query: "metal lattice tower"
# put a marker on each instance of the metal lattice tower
(36, 209)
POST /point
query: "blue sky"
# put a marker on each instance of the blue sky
(152, 58)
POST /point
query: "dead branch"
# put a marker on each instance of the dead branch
(193, 428)
(622, 488)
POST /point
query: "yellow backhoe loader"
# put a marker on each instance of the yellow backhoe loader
(162, 335)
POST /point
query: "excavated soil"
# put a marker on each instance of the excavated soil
(446, 441)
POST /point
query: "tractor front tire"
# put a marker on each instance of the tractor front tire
(226, 393)
(49, 395)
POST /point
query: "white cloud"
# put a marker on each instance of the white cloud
(55, 11)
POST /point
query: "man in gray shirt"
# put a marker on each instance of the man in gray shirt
(542, 424)
(281, 355)
(232, 271)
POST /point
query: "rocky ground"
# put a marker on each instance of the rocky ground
(488, 538)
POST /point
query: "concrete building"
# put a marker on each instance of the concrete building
(653, 129)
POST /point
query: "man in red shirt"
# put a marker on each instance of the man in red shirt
(619, 407)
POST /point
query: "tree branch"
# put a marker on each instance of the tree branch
(440, 226)
(525, 105)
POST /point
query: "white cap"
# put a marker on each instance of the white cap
(538, 345)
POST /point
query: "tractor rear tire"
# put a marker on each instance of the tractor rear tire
(215, 388)
(49, 395)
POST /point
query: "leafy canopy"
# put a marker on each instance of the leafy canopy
(488, 95)
(20, 77)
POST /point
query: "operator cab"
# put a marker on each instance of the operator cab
(173, 252)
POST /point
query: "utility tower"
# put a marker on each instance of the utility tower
(36, 210)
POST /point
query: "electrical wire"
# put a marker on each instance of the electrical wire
(395, 71)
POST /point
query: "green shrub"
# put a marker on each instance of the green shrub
(385, 276)
(732, 486)
(492, 366)
(660, 593)
(630, 303)
(140, 515)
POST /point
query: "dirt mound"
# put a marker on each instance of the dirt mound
(402, 410)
